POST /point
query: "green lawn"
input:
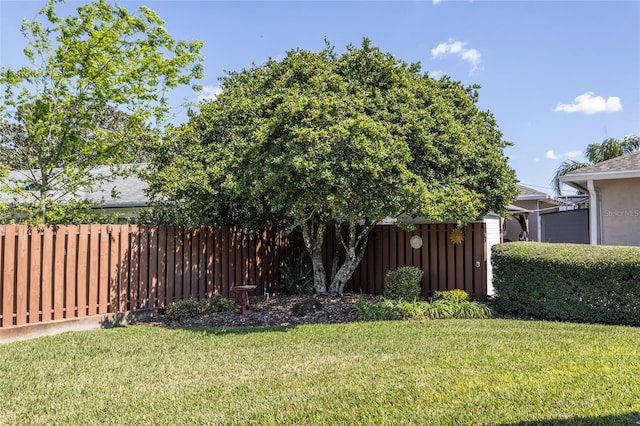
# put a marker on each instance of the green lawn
(448, 372)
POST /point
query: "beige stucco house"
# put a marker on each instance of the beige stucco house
(613, 187)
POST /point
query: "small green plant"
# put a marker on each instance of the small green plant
(403, 283)
(414, 309)
(217, 303)
(191, 308)
(376, 311)
(442, 308)
(298, 276)
(183, 309)
(472, 310)
(456, 294)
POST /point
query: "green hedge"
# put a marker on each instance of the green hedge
(568, 282)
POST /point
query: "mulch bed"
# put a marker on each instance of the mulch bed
(277, 310)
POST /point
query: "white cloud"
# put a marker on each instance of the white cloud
(472, 56)
(588, 103)
(436, 74)
(551, 155)
(454, 47)
(209, 93)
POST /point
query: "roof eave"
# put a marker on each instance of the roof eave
(621, 174)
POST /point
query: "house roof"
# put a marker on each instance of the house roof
(130, 189)
(623, 167)
(525, 193)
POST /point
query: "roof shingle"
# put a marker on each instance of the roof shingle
(624, 163)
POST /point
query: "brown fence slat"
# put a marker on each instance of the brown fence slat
(178, 262)
(186, 264)
(171, 265)
(94, 263)
(469, 235)
(210, 260)
(143, 267)
(224, 262)
(8, 275)
(204, 289)
(128, 268)
(424, 258)
(259, 259)
(71, 261)
(153, 267)
(114, 268)
(47, 273)
(35, 277)
(83, 263)
(22, 274)
(105, 253)
(58, 273)
(162, 266)
(195, 264)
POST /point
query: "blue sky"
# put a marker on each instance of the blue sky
(557, 75)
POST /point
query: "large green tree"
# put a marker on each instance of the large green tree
(596, 153)
(95, 89)
(318, 140)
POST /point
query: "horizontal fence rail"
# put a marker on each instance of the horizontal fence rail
(64, 272)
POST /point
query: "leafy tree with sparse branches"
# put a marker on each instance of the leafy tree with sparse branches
(321, 140)
(94, 94)
(596, 153)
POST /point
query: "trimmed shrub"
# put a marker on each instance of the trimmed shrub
(403, 283)
(568, 282)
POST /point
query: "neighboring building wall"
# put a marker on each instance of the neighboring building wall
(492, 229)
(620, 211)
(571, 226)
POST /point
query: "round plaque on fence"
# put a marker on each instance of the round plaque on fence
(416, 241)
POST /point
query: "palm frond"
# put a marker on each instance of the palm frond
(563, 169)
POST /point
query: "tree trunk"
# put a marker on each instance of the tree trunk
(355, 247)
(336, 252)
(313, 236)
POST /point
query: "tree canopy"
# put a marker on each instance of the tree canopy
(325, 139)
(95, 90)
(597, 153)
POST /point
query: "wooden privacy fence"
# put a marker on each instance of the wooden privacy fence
(445, 265)
(64, 272)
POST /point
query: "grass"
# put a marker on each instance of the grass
(449, 372)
